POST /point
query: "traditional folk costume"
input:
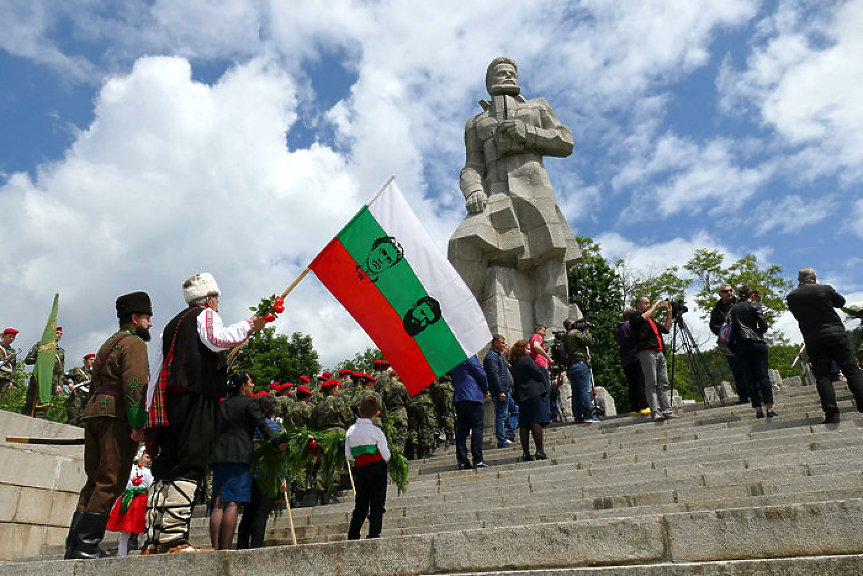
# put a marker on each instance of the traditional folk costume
(116, 407)
(188, 380)
(366, 446)
(129, 514)
(8, 364)
(76, 401)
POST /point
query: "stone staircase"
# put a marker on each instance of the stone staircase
(714, 492)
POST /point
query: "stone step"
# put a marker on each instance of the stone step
(807, 530)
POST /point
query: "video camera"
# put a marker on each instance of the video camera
(678, 307)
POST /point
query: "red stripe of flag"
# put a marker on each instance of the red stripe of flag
(335, 268)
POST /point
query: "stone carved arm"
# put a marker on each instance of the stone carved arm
(470, 177)
(552, 138)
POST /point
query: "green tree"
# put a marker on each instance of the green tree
(710, 274)
(363, 361)
(598, 291)
(268, 356)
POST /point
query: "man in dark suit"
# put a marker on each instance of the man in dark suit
(813, 305)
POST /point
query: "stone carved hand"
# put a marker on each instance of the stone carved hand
(515, 129)
(476, 202)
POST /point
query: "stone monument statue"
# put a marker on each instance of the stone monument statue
(514, 247)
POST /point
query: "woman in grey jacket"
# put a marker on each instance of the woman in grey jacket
(751, 350)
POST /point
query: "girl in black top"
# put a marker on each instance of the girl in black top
(530, 393)
(232, 454)
(751, 349)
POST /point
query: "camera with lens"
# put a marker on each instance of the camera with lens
(583, 324)
(558, 348)
(678, 307)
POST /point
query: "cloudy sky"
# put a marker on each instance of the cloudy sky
(146, 140)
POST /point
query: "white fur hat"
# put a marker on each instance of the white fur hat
(199, 286)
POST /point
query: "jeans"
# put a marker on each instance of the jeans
(468, 418)
(752, 362)
(512, 421)
(743, 391)
(655, 381)
(579, 377)
(504, 424)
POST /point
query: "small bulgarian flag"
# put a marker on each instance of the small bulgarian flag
(386, 271)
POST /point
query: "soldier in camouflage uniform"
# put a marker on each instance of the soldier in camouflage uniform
(331, 414)
(422, 424)
(395, 402)
(79, 391)
(8, 361)
(367, 388)
(299, 415)
(285, 396)
(32, 406)
(443, 392)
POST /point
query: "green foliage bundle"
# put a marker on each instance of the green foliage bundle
(398, 465)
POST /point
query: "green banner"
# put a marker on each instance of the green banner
(47, 356)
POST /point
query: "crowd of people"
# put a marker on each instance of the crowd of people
(192, 418)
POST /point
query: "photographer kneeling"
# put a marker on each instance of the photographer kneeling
(576, 355)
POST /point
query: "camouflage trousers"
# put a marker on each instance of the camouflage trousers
(422, 425)
(75, 405)
(399, 420)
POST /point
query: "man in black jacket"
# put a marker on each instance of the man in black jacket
(717, 316)
(813, 305)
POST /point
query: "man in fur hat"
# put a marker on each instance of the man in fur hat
(189, 378)
(114, 424)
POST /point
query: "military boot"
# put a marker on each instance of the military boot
(71, 538)
(89, 532)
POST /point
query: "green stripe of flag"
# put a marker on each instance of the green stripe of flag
(402, 289)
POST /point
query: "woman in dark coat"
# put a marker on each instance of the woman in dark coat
(750, 349)
(232, 455)
(530, 393)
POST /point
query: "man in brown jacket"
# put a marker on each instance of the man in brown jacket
(114, 422)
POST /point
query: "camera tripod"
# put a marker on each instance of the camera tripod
(698, 368)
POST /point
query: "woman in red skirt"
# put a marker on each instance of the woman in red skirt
(129, 515)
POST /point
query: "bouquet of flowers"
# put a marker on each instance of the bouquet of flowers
(269, 308)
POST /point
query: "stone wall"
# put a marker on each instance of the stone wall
(38, 485)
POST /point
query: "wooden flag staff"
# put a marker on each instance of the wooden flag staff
(236, 349)
(290, 516)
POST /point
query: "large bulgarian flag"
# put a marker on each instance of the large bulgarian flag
(386, 271)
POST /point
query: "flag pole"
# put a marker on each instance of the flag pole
(236, 349)
(290, 516)
(381, 189)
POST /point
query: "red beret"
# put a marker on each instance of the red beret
(344, 371)
(303, 378)
(60, 328)
(88, 356)
(275, 386)
(303, 390)
(380, 363)
(330, 383)
(10, 331)
(366, 376)
(287, 384)
(327, 373)
(323, 378)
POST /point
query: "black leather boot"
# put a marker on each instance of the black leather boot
(71, 538)
(88, 534)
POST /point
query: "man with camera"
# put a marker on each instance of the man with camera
(651, 353)
(576, 354)
(717, 317)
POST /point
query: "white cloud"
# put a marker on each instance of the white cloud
(791, 214)
(807, 83)
(175, 177)
(698, 179)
